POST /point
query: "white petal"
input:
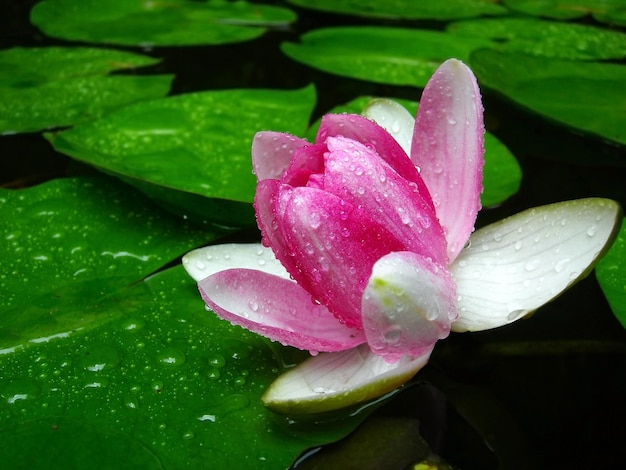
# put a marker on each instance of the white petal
(209, 260)
(394, 118)
(332, 381)
(408, 304)
(516, 265)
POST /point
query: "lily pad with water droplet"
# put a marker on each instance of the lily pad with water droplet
(190, 151)
(406, 9)
(171, 23)
(611, 274)
(581, 95)
(397, 56)
(608, 11)
(70, 242)
(57, 86)
(545, 38)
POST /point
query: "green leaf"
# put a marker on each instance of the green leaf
(393, 56)
(70, 240)
(586, 96)
(611, 274)
(96, 366)
(546, 38)
(609, 11)
(162, 383)
(406, 9)
(502, 174)
(171, 23)
(56, 86)
(198, 144)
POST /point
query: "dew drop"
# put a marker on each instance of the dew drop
(561, 265)
(532, 264)
(171, 356)
(392, 335)
(591, 231)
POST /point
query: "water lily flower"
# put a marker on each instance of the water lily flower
(368, 253)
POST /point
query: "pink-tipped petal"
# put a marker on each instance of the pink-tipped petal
(272, 153)
(203, 262)
(408, 304)
(363, 130)
(333, 246)
(516, 265)
(331, 381)
(448, 147)
(357, 174)
(277, 309)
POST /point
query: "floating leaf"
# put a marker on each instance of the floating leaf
(196, 144)
(171, 23)
(394, 56)
(502, 174)
(57, 86)
(70, 240)
(611, 274)
(609, 11)
(94, 367)
(586, 96)
(546, 38)
(406, 9)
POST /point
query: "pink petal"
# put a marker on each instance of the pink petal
(272, 153)
(276, 308)
(333, 246)
(358, 175)
(448, 147)
(307, 164)
(353, 126)
(408, 304)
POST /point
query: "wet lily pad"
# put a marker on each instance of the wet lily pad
(582, 95)
(406, 9)
(611, 274)
(183, 147)
(100, 364)
(57, 86)
(171, 23)
(609, 11)
(396, 56)
(71, 240)
(546, 38)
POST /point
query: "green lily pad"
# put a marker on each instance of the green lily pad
(609, 11)
(582, 95)
(57, 86)
(395, 56)
(546, 38)
(502, 174)
(406, 9)
(611, 274)
(183, 147)
(171, 23)
(70, 240)
(98, 365)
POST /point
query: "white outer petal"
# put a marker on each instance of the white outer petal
(516, 265)
(203, 262)
(394, 118)
(331, 381)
